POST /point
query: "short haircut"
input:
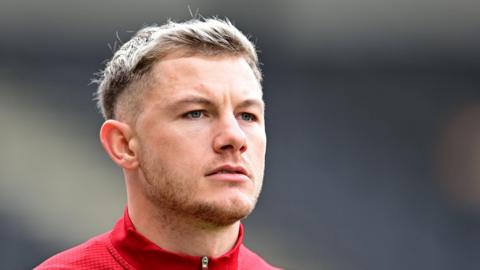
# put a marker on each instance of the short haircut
(124, 76)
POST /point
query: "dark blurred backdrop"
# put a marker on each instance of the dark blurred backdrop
(372, 119)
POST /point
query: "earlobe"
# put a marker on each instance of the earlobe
(118, 142)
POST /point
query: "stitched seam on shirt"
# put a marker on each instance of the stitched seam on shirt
(117, 256)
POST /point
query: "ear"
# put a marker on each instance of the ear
(119, 143)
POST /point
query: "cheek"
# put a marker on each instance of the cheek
(178, 149)
(258, 144)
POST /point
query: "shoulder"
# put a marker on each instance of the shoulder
(249, 260)
(92, 254)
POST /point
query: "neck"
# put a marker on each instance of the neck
(180, 234)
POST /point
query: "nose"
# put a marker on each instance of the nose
(229, 136)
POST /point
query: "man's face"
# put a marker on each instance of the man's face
(201, 136)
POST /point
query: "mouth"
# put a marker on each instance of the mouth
(230, 172)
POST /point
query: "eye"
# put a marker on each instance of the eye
(248, 117)
(194, 114)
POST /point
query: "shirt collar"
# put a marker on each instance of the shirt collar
(141, 253)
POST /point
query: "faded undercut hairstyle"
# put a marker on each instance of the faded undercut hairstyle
(124, 78)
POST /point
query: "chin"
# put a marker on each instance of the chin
(224, 212)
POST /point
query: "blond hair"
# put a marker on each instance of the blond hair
(134, 59)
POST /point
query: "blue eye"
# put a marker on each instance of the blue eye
(194, 114)
(248, 117)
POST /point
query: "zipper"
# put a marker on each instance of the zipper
(204, 263)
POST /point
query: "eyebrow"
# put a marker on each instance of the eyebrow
(206, 102)
(191, 100)
(252, 103)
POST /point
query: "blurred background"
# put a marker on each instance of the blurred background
(373, 114)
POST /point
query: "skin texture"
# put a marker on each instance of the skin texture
(201, 113)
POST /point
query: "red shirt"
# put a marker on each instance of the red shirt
(125, 248)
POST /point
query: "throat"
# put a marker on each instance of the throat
(175, 234)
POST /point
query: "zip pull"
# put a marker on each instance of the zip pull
(204, 263)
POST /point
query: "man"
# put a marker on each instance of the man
(185, 122)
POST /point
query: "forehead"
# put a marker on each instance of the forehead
(208, 75)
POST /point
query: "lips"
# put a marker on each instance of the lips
(229, 169)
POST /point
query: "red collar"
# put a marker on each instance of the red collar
(141, 253)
